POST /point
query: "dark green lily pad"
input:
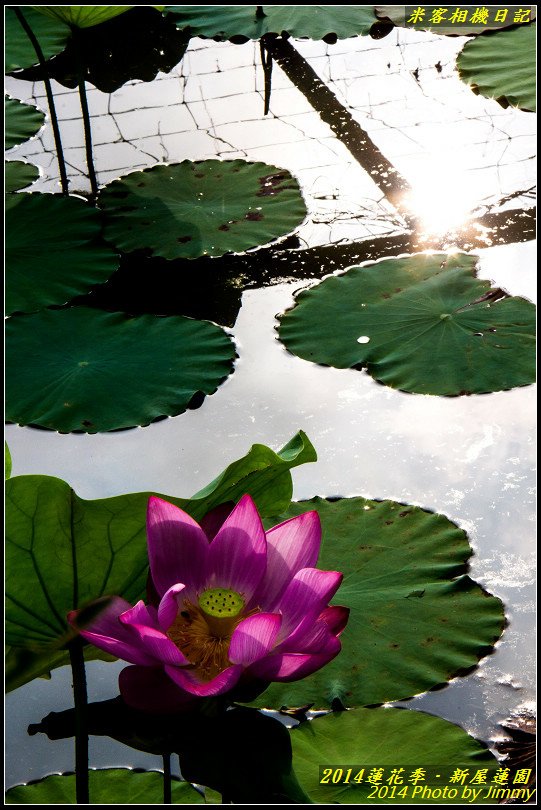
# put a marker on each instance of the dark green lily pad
(82, 16)
(85, 370)
(53, 250)
(203, 208)
(22, 121)
(423, 324)
(313, 22)
(502, 66)
(107, 786)
(416, 620)
(397, 15)
(18, 175)
(135, 45)
(52, 36)
(63, 551)
(387, 738)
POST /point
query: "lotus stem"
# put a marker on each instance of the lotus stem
(81, 727)
(85, 113)
(266, 64)
(50, 100)
(88, 138)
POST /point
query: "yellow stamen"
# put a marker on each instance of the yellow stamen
(203, 631)
(204, 640)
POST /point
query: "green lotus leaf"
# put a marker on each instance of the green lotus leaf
(52, 36)
(24, 664)
(387, 738)
(502, 66)
(262, 473)
(18, 175)
(107, 786)
(416, 620)
(136, 45)
(312, 22)
(82, 16)
(397, 15)
(63, 551)
(424, 324)
(22, 121)
(86, 370)
(53, 250)
(7, 462)
(202, 208)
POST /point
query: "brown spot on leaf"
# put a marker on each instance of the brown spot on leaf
(183, 239)
(405, 513)
(199, 174)
(253, 216)
(223, 227)
(270, 184)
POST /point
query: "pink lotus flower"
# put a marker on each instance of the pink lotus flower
(238, 607)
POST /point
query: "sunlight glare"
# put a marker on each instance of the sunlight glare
(442, 197)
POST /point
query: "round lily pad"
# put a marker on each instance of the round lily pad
(106, 786)
(18, 175)
(251, 22)
(87, 370)
(423, 324)
(203, 208)
(53, 250)
(502, 66)
(416, 619)
(82, 16)
(398, 740)
(22, 121)
(52, 36)
(136, 45)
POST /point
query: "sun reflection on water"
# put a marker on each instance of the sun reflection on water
(443, 196)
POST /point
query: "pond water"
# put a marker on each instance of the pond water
(470, 458)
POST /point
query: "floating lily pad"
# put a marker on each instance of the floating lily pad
(397, 15)
(107, 786)
(416, 620)
(203, 208)
(424, 324)
(502, 66)
(87, 370)
(52, 36)
(135, 45)
(313, 22)
(82, 16)
(18, 175)
(22, 121)
(63, 551)
(387, 738)
(53, 250)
